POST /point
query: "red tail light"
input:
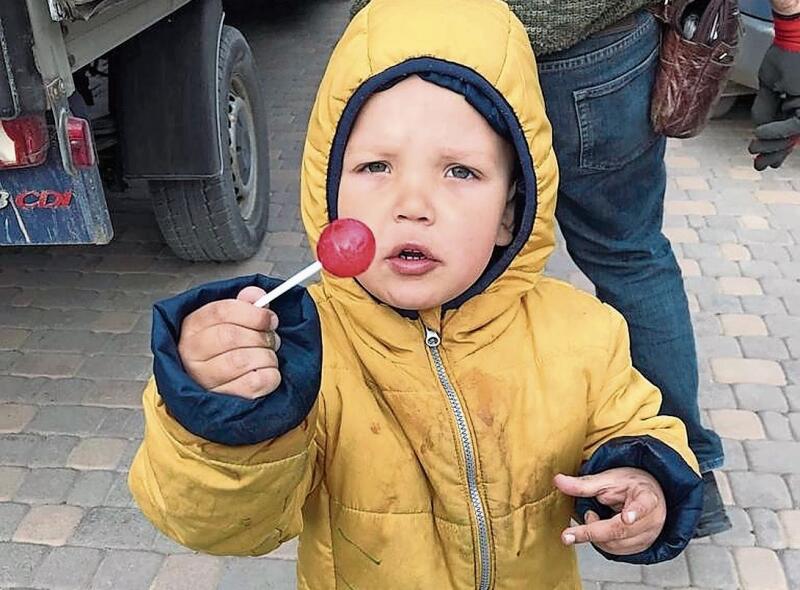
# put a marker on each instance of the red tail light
(23, 142)
(80, 142)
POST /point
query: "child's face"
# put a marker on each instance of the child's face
(431, 178)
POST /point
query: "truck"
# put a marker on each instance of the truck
(109, 93)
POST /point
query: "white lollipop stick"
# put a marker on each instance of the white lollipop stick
(304, 274)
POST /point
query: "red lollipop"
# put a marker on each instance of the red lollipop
(345, 249)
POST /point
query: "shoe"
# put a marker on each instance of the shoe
(713, 519)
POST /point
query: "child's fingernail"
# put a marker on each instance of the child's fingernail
(631, 516)
(569, 539)
(273, 322)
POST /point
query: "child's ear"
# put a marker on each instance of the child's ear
(505, 233)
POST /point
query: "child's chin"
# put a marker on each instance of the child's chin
(411, 301)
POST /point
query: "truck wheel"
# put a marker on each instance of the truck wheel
(224, 218)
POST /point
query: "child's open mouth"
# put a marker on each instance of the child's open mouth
(411, 259)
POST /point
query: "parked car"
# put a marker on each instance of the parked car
(757, 34)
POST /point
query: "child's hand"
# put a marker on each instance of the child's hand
(229, 346)
(633, 493)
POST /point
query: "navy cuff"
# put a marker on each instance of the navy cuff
(228, 419)
(682, 488)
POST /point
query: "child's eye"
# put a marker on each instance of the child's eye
(375, 167)
(461, 172)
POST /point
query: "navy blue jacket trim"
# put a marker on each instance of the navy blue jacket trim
(682, 488)
(384, 79)
(232, 420)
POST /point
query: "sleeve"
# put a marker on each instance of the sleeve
(625, 430)
(218, 473)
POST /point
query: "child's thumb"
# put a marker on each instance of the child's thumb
(251, 294)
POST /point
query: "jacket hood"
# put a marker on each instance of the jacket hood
(480, 42)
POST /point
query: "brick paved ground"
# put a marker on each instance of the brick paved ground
(74, 354)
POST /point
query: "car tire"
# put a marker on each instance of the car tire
(224, 218)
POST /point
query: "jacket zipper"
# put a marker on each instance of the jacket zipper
(432, 341)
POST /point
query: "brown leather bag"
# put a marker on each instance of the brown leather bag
(698, 46)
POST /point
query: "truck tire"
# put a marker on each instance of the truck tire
(224, 218)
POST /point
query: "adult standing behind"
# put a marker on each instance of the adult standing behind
(597, 63)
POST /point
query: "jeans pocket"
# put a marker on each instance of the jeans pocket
(614, 117)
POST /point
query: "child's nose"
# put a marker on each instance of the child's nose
(413, 204)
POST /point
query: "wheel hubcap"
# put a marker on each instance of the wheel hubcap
(242, 147)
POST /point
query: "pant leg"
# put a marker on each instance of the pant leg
(611, 202)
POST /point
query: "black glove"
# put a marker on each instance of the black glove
(776, 110)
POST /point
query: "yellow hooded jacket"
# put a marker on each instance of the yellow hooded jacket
(416, 451)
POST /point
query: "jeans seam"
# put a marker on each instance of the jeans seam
(712, 464)
(593, 57)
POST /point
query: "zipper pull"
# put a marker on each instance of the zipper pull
(432, 339)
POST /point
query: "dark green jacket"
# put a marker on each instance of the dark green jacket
(557, 24)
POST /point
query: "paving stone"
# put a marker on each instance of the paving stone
(718, 268)
(790, 522)
(741, 532)
(16, 449)
(735, 252)
(791, 566)
(781, 287)
(689, 267)
(45, 486)
(773, 456)
(791, 197)
(759, 490)
(115, 394)
(165, 545)
(711, 567)
(97, 453)
(81, 341)
(119, 494)
(52, 451)
(91, 488)
(669, 573)
(122, 423)
(75, 420)
(12, 338)
(753, 222)
(763, 347)
(735, 458)
(14, 417)
(10, 517)
(115, 321)
(759, 569)
(14, 388)
(738, 370)
(48, 524)
(111, 367)
(205, 573)
(768, 529)
(724, 487)
(769, 252)
(758, 397)
(47, 364)
(718, 346)
(794, 422)
(680, 235)
(759, 269)
(720, 303)
(114, 528)
(68, 568)
(258, 574)
(776, 426)
(739, 286)
(63, 392)
(737, 424)
(694, 183)
(594, 566)
(763, 305)
(716, 395)
(743, 325)
(792, 393)
(10, 480)
(136, 344)
(18, 563)
(127, 570)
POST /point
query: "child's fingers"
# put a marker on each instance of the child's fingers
(251, 294)
(641, 501)
(586, 486)
(254, 384)
(597, 531)
(221, 338)
(231, 365)
(229, 311)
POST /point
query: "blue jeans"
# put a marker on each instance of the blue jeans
(611, 205)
